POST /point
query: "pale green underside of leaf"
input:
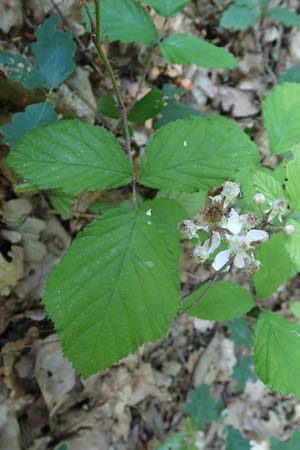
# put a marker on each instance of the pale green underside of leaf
(167, 8)
(18, 68)
(116, 288)
(239, 17)
(286, 16)
(276, 353)
(222, 301)
(187, 49)
(275, 265)
(196, 153)
(282, 117)
(293, 244)
(72, 156)
(127, 21)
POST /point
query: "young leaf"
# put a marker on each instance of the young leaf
(286, 16)
(222, 301)
(167, 8)
(187, 49)
(293, 181)
(108, 106)
(174, 110)
(235, 440)
(147, 107)
(242, 372)
(196, 153)
(291, 444)
(240, 332)
(275, 265)
(127, 21)
(18, 68)
(72, 156)
(282, 116)
(54, 52)
(276, 353)
(292, 244)
(115, 289)
(202, 408)
(239, 17)
(33, 116)
(291, 75)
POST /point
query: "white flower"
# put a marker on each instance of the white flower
(278, 209)
(202, 251)
(188, 228)
(239, 245)
(231, 191)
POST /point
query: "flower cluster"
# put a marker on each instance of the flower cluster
(224, 224)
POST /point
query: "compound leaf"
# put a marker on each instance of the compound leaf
(239, 17)
(282, 117)
(127, 21)
(174, 110)
(240, 332)
(293, 244)
(33, 116)
(276, 353)
(235, 440)
(187, 49)
(72, 156)
(167, 8)
(18, 68)
(293, 181)
(275, 265)
(202, 408)
(196, 153)
(242, 372)
(115, 289)
(54, 52)
(291, 444)
(147, 107)
(222, 301)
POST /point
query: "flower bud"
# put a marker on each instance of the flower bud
(289, 229)
(259, 198)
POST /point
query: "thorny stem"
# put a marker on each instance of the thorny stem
(96, 39)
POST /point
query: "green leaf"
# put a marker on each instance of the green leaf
(293, 181)
(62, 203)
(167, 8)
(33, 116)
(202, 408)
(286, 16)
(18, 68)
(191, 202)
(282, 117)
(291, 75)
(276, 353)
(116, 288)
(275, 265)
(240, 332)
(54, 52)
(127, 21)
(108, 106)
(242, 372)
(235, 440)
(239, 17)
(72, 156)
(146, 108)
(292, 244)
(295, 308)
(291, 444)
(63, 447)
(265, 183)
(174, 110)
(196, 153)
(176, 441)
(187, 49)
(221, 300)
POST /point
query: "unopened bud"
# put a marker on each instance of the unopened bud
(289, 229)
(259, 199)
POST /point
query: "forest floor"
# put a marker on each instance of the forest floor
(137, 403)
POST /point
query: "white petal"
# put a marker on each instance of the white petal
(239, 261)
(221, 259)
(257, 235)
(215, 242)
(233, 224)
